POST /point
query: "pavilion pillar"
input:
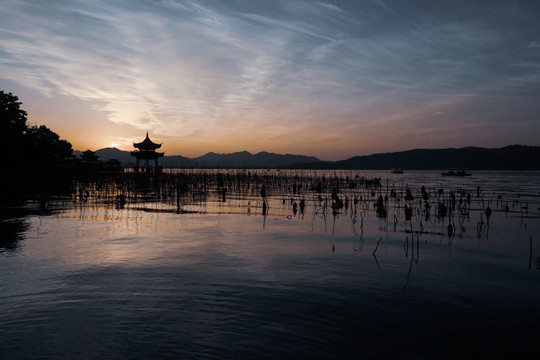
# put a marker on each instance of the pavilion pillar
(147, 152)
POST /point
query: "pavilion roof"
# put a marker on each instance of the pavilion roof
(147, 144)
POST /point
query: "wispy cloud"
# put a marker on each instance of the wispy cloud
(331, 6)
(228, 70)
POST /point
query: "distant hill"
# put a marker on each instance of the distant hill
(246, 160)
(113, 153)
(514, 157)
(242, 159)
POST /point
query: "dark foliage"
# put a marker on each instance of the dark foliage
(12, 127)
(32, 155)
(44, 148)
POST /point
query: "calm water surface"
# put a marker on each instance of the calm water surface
(220, 280)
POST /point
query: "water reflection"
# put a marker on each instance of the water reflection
(11, 233)
(196, 271)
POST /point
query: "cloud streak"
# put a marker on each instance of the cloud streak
(231, 71)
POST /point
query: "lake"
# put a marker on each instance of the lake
(217, 271)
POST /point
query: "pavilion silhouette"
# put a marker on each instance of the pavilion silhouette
(147, 153)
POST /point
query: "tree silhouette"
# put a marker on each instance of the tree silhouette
(32, 155)
(44, 148)
(13, 117)
(12, 127)
(36, 146)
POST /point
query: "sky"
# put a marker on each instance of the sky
(332, 79)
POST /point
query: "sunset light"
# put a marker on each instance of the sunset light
(330, 79)
(269, 179)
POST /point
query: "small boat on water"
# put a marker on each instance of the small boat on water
(397, 171)
(456, 172)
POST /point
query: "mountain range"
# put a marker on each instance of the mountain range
(242, 159)
(513, 157)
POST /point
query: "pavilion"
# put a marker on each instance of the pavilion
(147, 152)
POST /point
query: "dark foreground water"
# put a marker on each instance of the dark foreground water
(92, 280)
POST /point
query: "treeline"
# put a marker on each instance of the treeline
(32, 154)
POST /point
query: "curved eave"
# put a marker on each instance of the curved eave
(147, 154)
(147, 144)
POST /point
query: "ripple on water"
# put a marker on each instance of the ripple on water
(113, 283)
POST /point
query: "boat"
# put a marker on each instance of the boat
(456, 172)
(397, 171)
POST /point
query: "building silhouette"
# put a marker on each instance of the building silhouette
(146, 155)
